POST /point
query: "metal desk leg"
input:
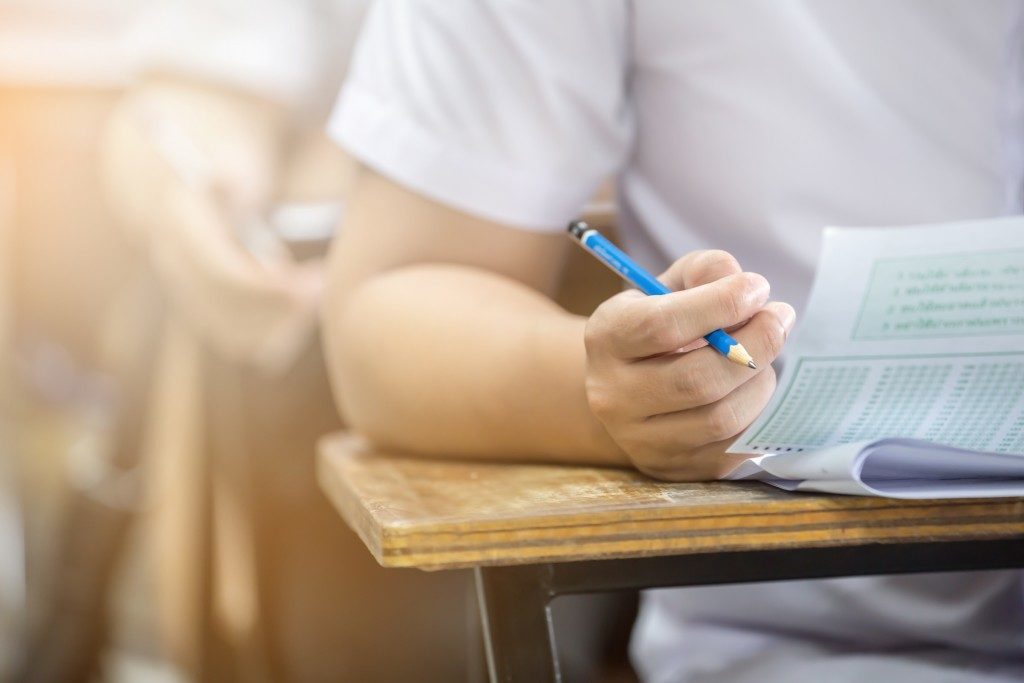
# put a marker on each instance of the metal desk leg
(516, 613)
(515, 602)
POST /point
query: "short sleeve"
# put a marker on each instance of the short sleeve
(513, 110)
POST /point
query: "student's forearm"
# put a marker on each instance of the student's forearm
(453, 360)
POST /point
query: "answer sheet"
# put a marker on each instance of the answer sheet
(913, 332)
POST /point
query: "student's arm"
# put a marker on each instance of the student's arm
(442, 339)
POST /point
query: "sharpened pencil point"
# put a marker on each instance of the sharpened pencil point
(739, 355)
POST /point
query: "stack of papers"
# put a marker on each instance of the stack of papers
(906, 376)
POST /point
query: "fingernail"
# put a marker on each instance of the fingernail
(787, 316)
(758, 287)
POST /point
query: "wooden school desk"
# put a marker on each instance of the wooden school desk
(533, 532)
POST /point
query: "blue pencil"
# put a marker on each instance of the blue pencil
(629, 270)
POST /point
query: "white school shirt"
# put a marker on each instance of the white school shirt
(740, 125)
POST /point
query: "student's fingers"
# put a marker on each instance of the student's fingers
(699, 268)
(630, 327)
(676, 443)
(677, 382)
(702, 267)
(685, 430)
(763, 337)
(705, 463)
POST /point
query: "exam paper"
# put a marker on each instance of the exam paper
(911, 333)
(894, 468)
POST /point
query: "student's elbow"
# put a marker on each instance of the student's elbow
(363, 344)
(348, 323)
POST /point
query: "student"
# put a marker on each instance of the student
(736, 131)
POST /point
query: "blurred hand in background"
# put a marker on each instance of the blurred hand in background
(192, 171)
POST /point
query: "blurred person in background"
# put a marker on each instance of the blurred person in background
(161, 305)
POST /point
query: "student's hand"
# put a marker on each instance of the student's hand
(166, 133)
(671, 403)
(261, 313)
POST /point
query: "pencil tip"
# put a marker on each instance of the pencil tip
(752, 365)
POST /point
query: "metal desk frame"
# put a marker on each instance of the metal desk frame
(515, 601)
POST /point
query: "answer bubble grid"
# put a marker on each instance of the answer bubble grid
(975, 403)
